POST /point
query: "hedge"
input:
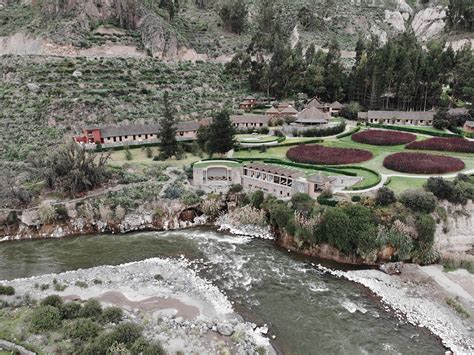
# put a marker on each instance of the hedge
(307, 166)
(350, 133)
(414, 130)
(326, 201)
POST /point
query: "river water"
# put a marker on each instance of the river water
(307, 311)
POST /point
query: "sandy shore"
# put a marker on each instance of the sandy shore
(419, 294)
(176, 306)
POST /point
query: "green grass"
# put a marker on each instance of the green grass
(205, 164)
(399, 184)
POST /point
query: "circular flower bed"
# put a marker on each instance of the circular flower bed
(444, 144)
(318, 154)
(379, 137)
(421, 163)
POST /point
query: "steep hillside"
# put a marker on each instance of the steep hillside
(128, 28)
(43, 99)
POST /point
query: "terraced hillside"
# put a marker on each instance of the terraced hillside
(43, 99)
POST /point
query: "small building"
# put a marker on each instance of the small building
(281, 111)
(469, 126)
(457, 112)
(136, 133)
(318, 104)
(248, 103)
(335, 108)
(311, 116)
(318, 182)
(249, 121)
(414, 118)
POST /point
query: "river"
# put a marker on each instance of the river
(307, 311)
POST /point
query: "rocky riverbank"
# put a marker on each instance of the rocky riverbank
(176, 306)
(420, 294)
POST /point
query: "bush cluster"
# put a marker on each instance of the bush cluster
(418, 200)
(458, 191)
(421, 163)
(444, 144)
(379, 137)
(7, 290)
(318, 154)
(319, 132)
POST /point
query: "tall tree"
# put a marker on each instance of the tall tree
(221, 134)
(333, 73)
(168, 143)
(234, 15)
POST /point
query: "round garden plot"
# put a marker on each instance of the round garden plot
(256, 138)
(318, 154)
(460, 145)
(380, 137)
(421, 163)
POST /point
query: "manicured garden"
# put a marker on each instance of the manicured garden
(421, 163)
(319, 154)
(380, 137)
(444, 144)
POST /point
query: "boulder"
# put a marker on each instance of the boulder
(392, 268)
(429, 23)
(225, 329)
(77, 74)
(30, 218)
(34, 88)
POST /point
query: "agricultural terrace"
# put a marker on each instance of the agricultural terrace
(379, 153)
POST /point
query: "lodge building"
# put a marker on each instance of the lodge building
(249, 121)
(414, 118)
(136, 133)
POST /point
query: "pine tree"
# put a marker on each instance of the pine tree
(167, 133)
(221, 134)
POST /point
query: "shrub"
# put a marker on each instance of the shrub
(52, 300)
(7, 290)
(426, 228)
(144, 347)
(420, 163)
(112, 315)
(83, 329)
(81, 284)
(385, 197)
(320, 132)
(235, 188)
(325, 201)
(47, 213)
(418, 200)
(45, 318)
(126, 333)
(190, 198)
(457, 191)
(318, 154)
(444, 144)
(70, 310)
(91, 309)
(355, 198)
(173, 192)
(379, 137)
(337, 229)
(256, 199)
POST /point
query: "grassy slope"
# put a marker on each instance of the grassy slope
(109, 91)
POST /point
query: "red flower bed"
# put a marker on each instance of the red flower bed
(379, 137)
(318, 154)
(444, 144)
(421, 163)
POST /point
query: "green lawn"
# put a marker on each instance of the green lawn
(205, 164)
(399, 184)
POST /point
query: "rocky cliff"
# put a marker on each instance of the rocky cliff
(69, 27)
